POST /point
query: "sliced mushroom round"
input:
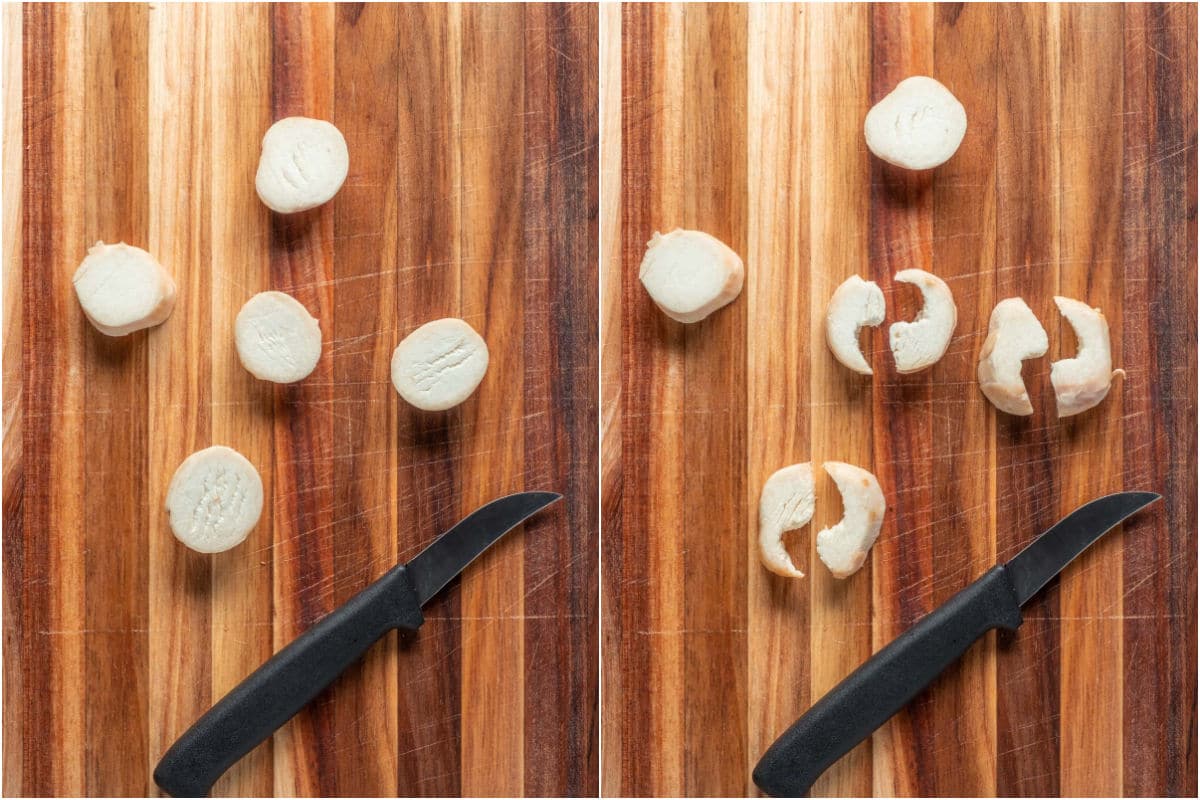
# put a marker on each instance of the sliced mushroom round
(922, 342)
(855, 304)
(123, 289)
(690, 274)
(1082, 382)
(786, 503)
(919, 125)
(844, 547)
(214, 499)
(303, 164)
(440, 364)
(1014, 334)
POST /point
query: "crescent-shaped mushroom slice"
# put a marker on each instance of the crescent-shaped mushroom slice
(922, 342)
(844, 547)
(1014, 334)
(855, 304)
(1082, 382)
(787, 502)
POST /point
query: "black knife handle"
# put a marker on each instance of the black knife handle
(870, 695)
(273, 693)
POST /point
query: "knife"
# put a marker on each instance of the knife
(879, 688)
(278, 689)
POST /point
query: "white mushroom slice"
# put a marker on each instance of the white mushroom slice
(122, 289)
(786, 503)
(855, 304)
(1014, 334)
(690, 274)
(1082, 382)
(277, 339)
(440, 364)
(214, 500)
(844, 547)
(303, 164)
(918, 126)
(922, 342)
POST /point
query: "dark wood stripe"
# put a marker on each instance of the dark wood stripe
(960, 760)
(366, 88)
(901, 225)
(116, 576)
(426, 251)
(42, 290)
(561, 391)
(1026, 262)
(302, 265)
(713, 180)
(1159, 233)
(628, 536)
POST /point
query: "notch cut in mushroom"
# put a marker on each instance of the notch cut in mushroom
(922, 342)
(1014, 335)
(786, 503)
(844, 546)
(1082, 382)
(855, 304)
(689, 274)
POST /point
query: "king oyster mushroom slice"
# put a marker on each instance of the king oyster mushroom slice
(844, 547)
(689, 274)
(440, 364)
(922, 342)
(855, 304)
(786, 503)
(214, 499)
(303, 164)
(1082, 382)
(123, 289)
(1014, 334)
(919, 125)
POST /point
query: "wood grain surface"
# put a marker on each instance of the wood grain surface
(1077, 177)
(472, 192)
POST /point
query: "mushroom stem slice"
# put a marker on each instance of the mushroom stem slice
(844, 547)
(919, 125)
(690, 274)
(1014, 335)
(1082, 382)
(855, 304)
(922, 342)
(214, 499)
(122, 289)
(787, 502)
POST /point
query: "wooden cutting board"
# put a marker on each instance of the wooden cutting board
(472, 193)
(1077, 177)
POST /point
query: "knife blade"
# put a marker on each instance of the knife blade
(887, 681)
(277, 690)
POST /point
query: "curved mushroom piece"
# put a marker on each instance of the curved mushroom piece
(1082, 382)
(690, 274)
(855, 304)
(844, 547)
(922, 342)
(919, 125)
(787, 502)
(1014, 334)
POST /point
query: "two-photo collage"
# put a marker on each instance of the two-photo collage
(599, 399)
